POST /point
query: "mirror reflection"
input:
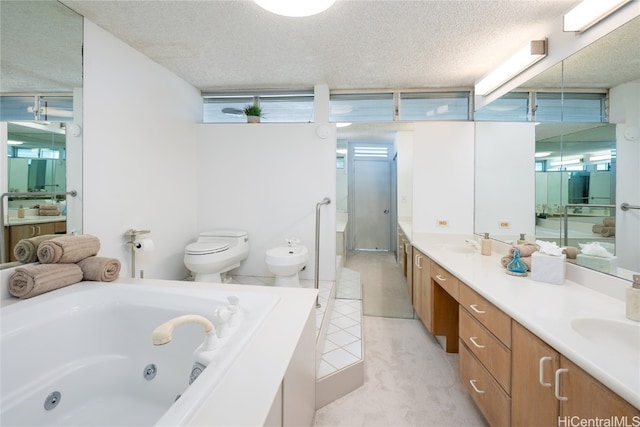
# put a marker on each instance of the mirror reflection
(585, 110)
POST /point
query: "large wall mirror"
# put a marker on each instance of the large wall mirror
(40, 116)
(583, 130)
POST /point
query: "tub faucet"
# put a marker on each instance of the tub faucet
(203, 355)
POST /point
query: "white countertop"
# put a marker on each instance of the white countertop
(34, 219)
(545, 309)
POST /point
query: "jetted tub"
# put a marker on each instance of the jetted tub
(83, 351)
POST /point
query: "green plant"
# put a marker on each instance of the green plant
(253, 110)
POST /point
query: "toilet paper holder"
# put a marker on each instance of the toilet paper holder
(133, 236)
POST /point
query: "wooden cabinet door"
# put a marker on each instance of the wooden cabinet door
(534, 363)
(419, 261)
(587, 398)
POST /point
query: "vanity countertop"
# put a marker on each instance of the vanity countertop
(34, 219)
(549, 310)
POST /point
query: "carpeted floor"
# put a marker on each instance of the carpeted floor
(384, 288)
(409, 381)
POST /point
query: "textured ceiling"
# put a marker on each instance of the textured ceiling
(353, 45)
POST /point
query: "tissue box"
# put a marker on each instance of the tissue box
(605, 265)
(548, 268)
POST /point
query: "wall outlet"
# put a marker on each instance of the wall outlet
(504, 224)
(442, 223)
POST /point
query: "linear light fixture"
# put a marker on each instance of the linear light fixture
(295, 8)
(590, 12)
(566, 162)
(600, 157)
(528, 55)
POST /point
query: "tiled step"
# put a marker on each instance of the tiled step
(340, 350)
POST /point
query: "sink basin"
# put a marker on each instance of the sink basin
(621, 340)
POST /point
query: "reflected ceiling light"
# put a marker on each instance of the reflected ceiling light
(543, 153)
(589, 13)
(341, 151)
(600, 157)
(343, 124)
(295, 8)
(566, 162)
(10, 142)
(528, 55)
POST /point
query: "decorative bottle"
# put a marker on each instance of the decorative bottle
(485, 245)
(633, 299)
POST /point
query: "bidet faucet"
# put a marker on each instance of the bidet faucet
(203, 355)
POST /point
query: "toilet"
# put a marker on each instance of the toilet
(216, 252)
(285, 262)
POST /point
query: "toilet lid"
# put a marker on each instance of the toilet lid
(210, 247)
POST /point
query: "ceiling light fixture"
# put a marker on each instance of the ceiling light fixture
(600, 157)
(542, 154)
(11, 142)
(566, 162)
(295, 8)
(528, 55)
(590, 12)
(343, 124)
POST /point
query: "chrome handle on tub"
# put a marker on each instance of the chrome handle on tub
(473, 340)
(442, 279)
(474, 307)
(541, 371)
(473, 384)
(557, 388)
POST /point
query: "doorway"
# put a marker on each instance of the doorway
(371, 205)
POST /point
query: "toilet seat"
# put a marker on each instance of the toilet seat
(209, 247)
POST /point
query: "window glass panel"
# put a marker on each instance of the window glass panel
(15, 108)
(434, 106)
(225, 110)
(56, 108)
(287, 109)
(570, 107)
(513, 106)
(375, 107)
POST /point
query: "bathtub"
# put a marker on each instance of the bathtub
(83, 351)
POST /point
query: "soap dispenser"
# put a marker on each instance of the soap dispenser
(20, 212)
(485, 245)
(633, 299)
(522, 240)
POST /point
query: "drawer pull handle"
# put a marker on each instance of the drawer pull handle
(418, 258)
(557, 388)
(473, 384)
(541, 370)
(474, 307)
(473, 340)
(442, 279)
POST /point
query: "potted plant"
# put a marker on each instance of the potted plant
(253, 113)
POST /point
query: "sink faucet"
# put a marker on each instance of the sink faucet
(474, 242)
(203, 355)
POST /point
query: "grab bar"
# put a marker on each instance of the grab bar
(324, 201)
(626, 206)
(72, 193)
(578, 205)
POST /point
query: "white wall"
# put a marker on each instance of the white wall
(625, 110)
(404, 144)
(267, 179)
(504, 179)
(139, 154)
(443, 154)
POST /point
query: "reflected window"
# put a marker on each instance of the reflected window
(36, 107)
(512, 107)
(570, 107)
(369, 107)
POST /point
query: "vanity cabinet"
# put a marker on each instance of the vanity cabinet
(485, 355)
(548, 387)
(26, 231)
(445, 295)
(422, 288)
(405, 256)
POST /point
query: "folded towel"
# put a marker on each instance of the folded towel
(26, 250)
(526, 249)
(570, 251)
(68, 249)
(46, 207)
(608, 231)
(32, 280)
(100, 269)
(597, 228)
(505, 260)
(609, 222)
(48, 212)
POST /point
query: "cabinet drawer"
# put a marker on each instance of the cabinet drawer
(446, 280)
(487, 348)
(60, 227)
(492, 401)
(494, 319)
